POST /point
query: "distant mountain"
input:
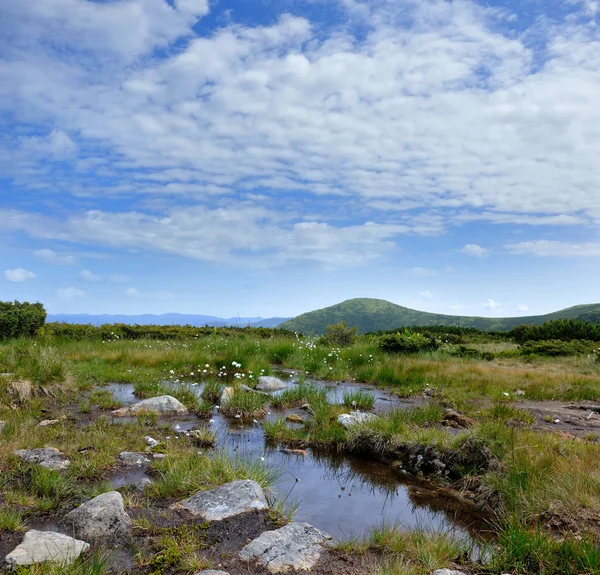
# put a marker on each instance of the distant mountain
(166, 319)
(379, 315)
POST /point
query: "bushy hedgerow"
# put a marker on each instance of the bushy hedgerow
(408, 342)
(21, 319)
(555, 347)
(560, 329)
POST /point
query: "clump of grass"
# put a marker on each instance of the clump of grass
(104, 399)
(94, 563)
(203, 437)
(245, 404)
(359, 399)
(212, 391)
(185, 471)
(297, 395)
(11, 519)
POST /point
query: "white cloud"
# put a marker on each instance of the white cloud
(475, 250)
(155, 295)
(18, 275)
(87, 275)
(69, 293)
(421, 272)
(555, 248)
(51, 257)
(426, 295)
(522, 307)
(491, 304)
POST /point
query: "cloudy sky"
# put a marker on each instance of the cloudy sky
(267, 157)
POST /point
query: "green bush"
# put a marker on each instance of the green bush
(339, 334)
(21, 319)
(556, 348)
(408, 342)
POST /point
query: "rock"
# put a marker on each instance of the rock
(48, 422)
(294, 418)
(162, 405)
(226, 395)
(269, 383)
(447, 572)
(225, 501)
(42, 546)
(354, 418)
(519, 392)
(295, 546)
(141, 484)
(103, 517)
(293, 451)
(457, 420)
(245, 388)
(2, 425)
(150, 441)
(48, 457)
(133, 459)
(308, 408)
(212, 572)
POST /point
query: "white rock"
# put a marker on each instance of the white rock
(133, 459)
(354, 418)
(447, 572)
(225, 501)
(48, 457)
(226, 395)
(295, 546)
(270, 383)
(150, 441)
(42, 546)
(162, 405)
(103, 517)
(212, 572)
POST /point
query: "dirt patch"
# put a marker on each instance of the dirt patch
(580, 419)
(564, 521)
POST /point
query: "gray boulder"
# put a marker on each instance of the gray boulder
(48, 457)
(270, 383)
(295, 546)
(225, 501)
(162, 405)
(133, 459)
(103, 517)
(354, 418)
(226, 395)
(42, 546)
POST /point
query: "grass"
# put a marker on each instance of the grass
(94, 563)
(11, 519)
(359, 399)
(245, 404)
(185, 471)
(301, 394)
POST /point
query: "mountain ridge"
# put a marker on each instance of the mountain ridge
(371, 314)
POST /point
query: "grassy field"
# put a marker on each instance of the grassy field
(540, 488)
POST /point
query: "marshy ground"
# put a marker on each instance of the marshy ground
(508, 485)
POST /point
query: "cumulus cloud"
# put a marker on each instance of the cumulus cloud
(426, 294)
(421, 272)
(155, 295)
(18, 275)
(435, 114)
(51, 257)
(522, 307)
(491, 304)
(475, 250)
(69, 293)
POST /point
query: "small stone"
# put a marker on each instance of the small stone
(150, 441)
(48, 422)
(159, 456)
(296, 546)
(212, 572)
(448, 572)
(225, 501)
(294, 418)
(141, 484)
(246, 388)
(270, 383)
(43, 546)
(103, 517)
(162, 405)
(227, 395)
(519, 392)
(354, 418)
(457, 420)
(48, 457)
(293, 451)
(2, 425)
(133, 459)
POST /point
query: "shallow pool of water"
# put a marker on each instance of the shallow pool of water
(341, 495)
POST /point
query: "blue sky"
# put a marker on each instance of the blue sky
(271, 157)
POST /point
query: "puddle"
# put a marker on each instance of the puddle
(341, 495)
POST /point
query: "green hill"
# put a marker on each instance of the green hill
(377, 315)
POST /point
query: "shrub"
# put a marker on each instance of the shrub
(555, 347)
(21, 319)
(408, 342)
(339, 334)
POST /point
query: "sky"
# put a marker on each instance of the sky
(270, 157)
